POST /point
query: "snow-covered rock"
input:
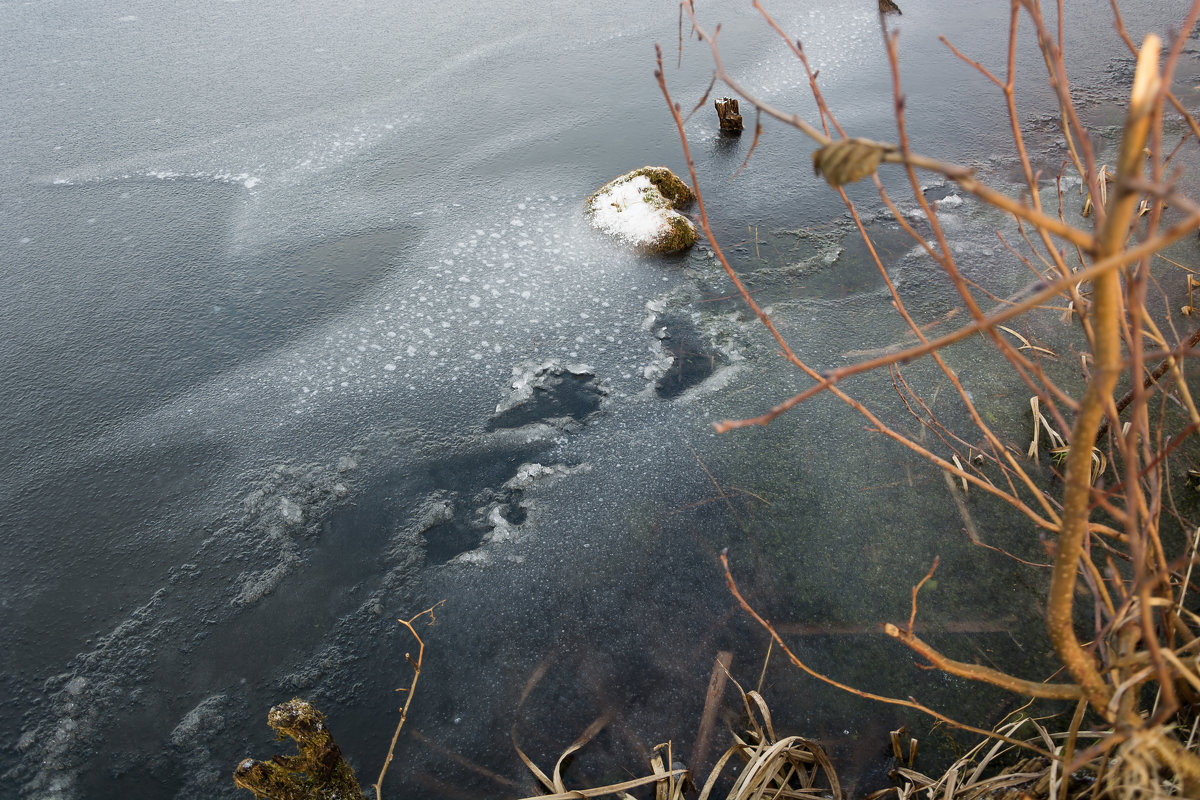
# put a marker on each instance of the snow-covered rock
(640, 208)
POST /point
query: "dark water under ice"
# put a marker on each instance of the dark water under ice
(270, 268)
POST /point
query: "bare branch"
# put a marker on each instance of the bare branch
(409, 692)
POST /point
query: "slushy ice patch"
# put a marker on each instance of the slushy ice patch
(549, 391)
(496, 515)
(287, 506)
(693, 358)
(100, 707)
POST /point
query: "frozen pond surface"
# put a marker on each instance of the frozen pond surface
(270, 268)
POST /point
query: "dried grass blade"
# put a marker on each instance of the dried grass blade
(766, 769)
(1019, 337)
(920, 779)
(963, 511)
(764, 712)
(589, 733)
(712, 704)
(755, 777)
(1055, 438)
(882, 793)
(601, 791)
(897, 748)
(464, 762)
(542, 777)
(1099, 463)
(825, 764)
(656, 767)
(1025, 343)
(1037, 430)
(1184, 672)
(958, 464)
(744, 785)
(667, 788)
(983, 762)
(534, 679)
(717, 770)
(951, 784)
(997, 782)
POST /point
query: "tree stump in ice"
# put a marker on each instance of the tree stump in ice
(727, 112)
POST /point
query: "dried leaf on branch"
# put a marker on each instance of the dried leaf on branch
(848, 160)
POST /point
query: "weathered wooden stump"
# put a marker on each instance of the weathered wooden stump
(727, 112)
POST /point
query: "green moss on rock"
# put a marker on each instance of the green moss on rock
(683, 234)
(318, 772)
(669, 185)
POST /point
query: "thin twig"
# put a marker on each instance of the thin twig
(410, 691)
(910, 703)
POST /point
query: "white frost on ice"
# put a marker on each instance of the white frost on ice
(528, 377)
(532, 474)
(290, 511)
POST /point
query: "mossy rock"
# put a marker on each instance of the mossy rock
(642, 208)
(318, 772)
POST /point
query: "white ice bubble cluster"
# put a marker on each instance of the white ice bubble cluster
(529, 285)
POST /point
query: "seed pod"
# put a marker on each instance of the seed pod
(847, 160)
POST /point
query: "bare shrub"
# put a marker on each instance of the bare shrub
(1134, 670)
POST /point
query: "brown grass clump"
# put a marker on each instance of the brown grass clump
(768, 766)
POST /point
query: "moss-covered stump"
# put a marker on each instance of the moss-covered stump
(641, 208)
(318, 773)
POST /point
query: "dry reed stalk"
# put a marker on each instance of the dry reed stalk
(712, 704)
